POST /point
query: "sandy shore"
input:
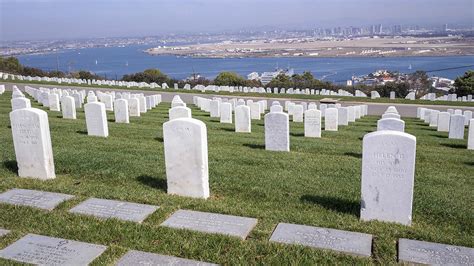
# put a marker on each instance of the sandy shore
(370, 47)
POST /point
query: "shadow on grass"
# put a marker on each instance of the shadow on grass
(335, 204)
(227, 129)
(153, 182)
(354, 154)
(160, 139)
(111, 120)
(429, 128)
(12, 166)
(297, 134)
(454, 146)
(59, 116)
(469, 163)
(255, 146)
(83, 132)
(439, 136)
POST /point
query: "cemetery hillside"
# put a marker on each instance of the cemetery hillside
(107, 172)
(149, 133)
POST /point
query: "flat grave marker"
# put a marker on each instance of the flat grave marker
(421, 252)
(134, 257)
(103, 208)
(33, 198)
(44, 250)
(211, 223)
(353, 243)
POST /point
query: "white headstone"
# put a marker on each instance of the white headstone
(312, 123)
(255, 111)
(54, 102)
(470, 135)
(226, 113)
(388, 174)
(276, 108)
(32, 143)
(443, 121)
(298, 112)
(242, 119)
(215, 108)
(277, 132)
(20, 102)
(96, 119)
(391, 115)
(467, 117)
(331, 119)
(342, 118)
(434, 118)
(142, 106)
(107, 100)
(179, 112)
(68, 107)
(456, 127)
(185, 143)
(134, 107)
(121, 111)
(391, 124)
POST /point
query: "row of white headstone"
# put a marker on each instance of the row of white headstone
(126, 104)
(30, 126)
(391, 120)
(452, 121)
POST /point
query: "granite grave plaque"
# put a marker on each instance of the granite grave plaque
(211, 223)
(421, 252)
(317, 237)
(121, 210)
(44, 250)
(33, 198)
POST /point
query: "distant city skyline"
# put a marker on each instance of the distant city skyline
(67, 19)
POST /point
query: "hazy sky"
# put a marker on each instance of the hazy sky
(60, 19)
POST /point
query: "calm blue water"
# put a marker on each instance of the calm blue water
(112, 63)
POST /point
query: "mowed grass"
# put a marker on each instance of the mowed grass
(317, 183)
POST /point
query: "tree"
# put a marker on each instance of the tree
(419, 83)
(149, 76)
(11, 65)
(464, 85)
(82, 74)
(229, 79)
(280, 81)
(401, 89)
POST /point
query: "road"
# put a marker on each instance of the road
(405, 110)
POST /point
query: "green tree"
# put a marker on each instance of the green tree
(11, 65)
(280, 81)
(149, 76)
(464, 85)
(83, 74)
(419, 83)
(229, 79)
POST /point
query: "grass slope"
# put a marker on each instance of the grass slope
(317, 183)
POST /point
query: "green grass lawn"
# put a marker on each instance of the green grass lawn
(317, 183)
(281, 96)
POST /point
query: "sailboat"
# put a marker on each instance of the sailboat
(96, 61)
(126, 63)
(409, 67)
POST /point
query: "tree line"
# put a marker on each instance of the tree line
(417, 81)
